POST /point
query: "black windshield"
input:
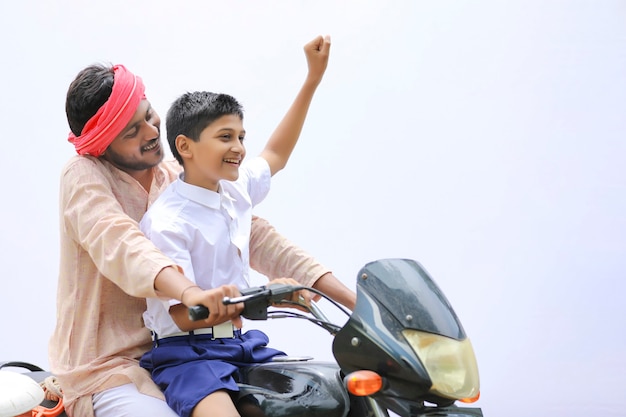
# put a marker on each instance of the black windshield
(406, 290)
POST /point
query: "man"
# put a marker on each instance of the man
(108, 267)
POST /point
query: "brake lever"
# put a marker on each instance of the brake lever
(255, 307)
(247, 294)
(256, 301)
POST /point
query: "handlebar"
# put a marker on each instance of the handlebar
(256, 301)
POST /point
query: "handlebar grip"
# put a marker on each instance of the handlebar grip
(198, 312)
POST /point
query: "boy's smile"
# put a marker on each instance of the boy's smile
(233, 161)
(216, 155)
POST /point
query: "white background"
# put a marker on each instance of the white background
(485, 139)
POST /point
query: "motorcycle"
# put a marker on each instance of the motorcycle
(402, 350)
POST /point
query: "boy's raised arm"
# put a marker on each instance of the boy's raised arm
(284, 138)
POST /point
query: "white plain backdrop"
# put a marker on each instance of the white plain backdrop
(484, 139)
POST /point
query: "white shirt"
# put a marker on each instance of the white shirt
(206, 233)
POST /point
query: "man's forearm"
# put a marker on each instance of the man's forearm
(335, 289)
(275, 256)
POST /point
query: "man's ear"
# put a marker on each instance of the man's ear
(183, 146)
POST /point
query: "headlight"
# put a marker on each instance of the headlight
(450, 363)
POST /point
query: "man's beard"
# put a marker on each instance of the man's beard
(131, 164)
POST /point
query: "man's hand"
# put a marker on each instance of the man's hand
(317, 52)
(300, 297)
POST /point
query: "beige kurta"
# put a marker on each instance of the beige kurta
(107, 269)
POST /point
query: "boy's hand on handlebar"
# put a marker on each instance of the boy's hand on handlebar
(298, 297)
(212, 299)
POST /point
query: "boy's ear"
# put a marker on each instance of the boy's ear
(182, 146)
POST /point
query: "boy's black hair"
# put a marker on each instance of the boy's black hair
(192, 112)
(88, 92)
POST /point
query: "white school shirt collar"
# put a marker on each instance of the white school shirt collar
(204, 196)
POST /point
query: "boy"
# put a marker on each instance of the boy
(202, 221)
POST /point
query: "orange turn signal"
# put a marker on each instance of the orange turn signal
(363, 383)
(471, 400)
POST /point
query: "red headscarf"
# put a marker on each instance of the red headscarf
(113, 116)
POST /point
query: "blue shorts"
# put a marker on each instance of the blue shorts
(188, 368)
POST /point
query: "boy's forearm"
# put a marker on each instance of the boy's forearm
(284, 138)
